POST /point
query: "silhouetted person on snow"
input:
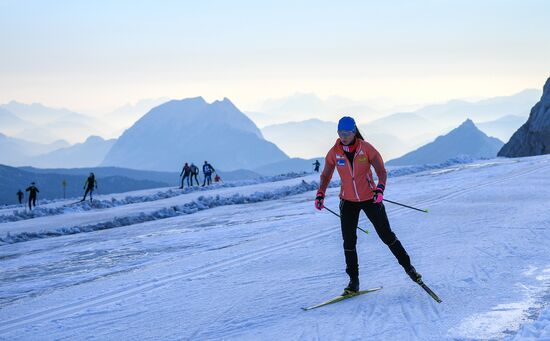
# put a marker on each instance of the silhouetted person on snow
(185, 172)
(32, 189)
(317, 164)
(207, 169)
(20, 196)
(194, 173)
(89, 186)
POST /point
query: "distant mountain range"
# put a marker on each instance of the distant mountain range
(501, 128)
(303, 139)
(44, 125)
(306, 106)
(395, 134)
(193, 130)
(90, 153)
(18, 152)
(313, 138)
(466, 140)
(189, 130)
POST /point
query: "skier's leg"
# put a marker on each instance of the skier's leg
(349, 218)
(34, 201)
(379, 219)
(30, 203)
(91, 194)
(85, 194)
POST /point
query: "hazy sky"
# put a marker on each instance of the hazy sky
(100, 54)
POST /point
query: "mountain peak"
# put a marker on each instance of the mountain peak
(466, 139)
(533, 137)
(94, 138)
(546, 88)
(224, 101)
(197, 99)
(468, 124)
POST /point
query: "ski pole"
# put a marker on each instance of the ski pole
(336, 214)
(407, 206)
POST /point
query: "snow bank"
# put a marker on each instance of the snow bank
(202, 203)
(24, 214)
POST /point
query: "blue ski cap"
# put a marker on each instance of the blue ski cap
(346, 123)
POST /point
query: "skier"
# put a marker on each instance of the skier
(185, 172)
(207, 170)
(353, 158)
(32, 189)
(20, 196)
(89, 186)
(316, 164)
(217, 178)
(194, 173)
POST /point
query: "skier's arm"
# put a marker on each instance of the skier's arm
(376, 161)
(37, 191)
(95, 182)
(328, 170)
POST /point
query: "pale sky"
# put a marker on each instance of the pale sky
(97, 55)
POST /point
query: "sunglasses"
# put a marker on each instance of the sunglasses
(346, 133)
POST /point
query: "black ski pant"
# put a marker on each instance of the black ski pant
(349, 219)
(183, 179)
(88, 190)
(32, 201)
(207, 179)
(194, 176)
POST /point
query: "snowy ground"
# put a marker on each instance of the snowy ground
(241, 270)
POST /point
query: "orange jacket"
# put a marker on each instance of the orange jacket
(357, 182)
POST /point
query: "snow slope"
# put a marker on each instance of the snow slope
(243, 271)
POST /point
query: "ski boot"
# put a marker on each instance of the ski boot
(352, 288)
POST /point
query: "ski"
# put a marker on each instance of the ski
(430, 292)
(74, 203)
(341, 298)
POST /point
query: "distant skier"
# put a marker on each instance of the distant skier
(353, 158)
(316, 164)
(217, 178)
(33, 190)
(207, 170)
(89, 186)
(194, 173)
(185, 174)
(20, 196)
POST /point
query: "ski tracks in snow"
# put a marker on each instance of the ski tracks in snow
(154, 284)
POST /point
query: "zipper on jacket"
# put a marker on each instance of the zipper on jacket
(352, 171)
